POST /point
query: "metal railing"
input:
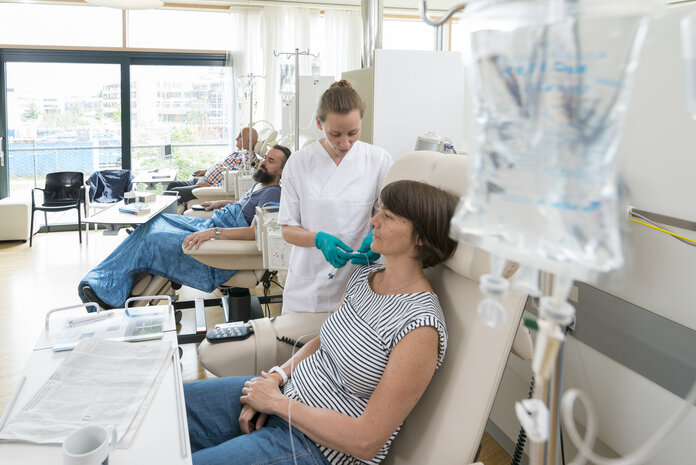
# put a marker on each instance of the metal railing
(83, 165)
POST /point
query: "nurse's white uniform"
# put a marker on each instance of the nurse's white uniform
(339, 200)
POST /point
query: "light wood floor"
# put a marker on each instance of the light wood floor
(34, 280)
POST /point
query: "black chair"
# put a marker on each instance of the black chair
(63, 191)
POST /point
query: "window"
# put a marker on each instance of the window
(184, 30)
(189, 107)
(61, 117)
(22, 24)
(407, 34)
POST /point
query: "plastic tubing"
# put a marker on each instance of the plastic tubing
(639, 455)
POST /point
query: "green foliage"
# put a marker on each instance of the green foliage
(31, 113)
(183, 135)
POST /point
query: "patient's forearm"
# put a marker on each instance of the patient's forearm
(296, 235)
(238, 234)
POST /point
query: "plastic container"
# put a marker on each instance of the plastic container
(550, 85)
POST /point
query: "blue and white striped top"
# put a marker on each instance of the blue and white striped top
(356, 342)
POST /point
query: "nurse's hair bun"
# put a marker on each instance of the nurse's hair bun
(341, 83)
(339, 98)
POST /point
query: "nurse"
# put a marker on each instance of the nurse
(330, 192)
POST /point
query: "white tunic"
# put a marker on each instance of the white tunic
(339, 200)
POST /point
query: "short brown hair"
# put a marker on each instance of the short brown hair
(430, 209)
(340, 98)
(286, 151)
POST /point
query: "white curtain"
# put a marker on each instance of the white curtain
(259, 32)
(283, 29)
(339, 40)
(244, 56)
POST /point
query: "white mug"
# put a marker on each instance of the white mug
(89, 445)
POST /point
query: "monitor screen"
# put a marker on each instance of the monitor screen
(427, 144)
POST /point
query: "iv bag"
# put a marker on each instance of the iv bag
(549, 82)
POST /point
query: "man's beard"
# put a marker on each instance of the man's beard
(263, 176)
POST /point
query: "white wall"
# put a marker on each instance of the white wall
(658, 165)
(409, 93)
(417, 92)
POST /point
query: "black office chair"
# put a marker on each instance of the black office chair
(63, 191)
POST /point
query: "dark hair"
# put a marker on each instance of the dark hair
(340, 98)
(286, 151)
(430, 209)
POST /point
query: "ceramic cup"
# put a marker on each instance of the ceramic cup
(89, 445)
(129, 197)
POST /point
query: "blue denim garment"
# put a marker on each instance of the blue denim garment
(212, 409)
(155, 247)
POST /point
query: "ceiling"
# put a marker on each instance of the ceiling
(388, 4)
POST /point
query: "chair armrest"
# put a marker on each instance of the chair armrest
(228, 255)
(32, 194)
(212, 193)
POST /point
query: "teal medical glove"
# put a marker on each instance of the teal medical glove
(335, 251)
(364, 255)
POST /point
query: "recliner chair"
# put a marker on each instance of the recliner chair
(447, 424)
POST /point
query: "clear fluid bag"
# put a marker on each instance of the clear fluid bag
(550, 84)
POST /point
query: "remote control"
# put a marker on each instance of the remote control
(224, 333)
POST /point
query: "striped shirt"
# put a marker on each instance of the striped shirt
(356, 342)
(233, 161)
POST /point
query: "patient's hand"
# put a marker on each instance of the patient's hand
(262, 393)
(250, 420)
(193, 241)
(214, 205)
(203, 184)
(198, 173)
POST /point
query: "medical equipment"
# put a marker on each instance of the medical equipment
(549, 81)
(269, 239)
(297, 53)
(247, 83)
(434, 142)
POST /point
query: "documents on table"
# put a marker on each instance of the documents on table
(99, 383)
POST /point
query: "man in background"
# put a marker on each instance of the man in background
(213, 176)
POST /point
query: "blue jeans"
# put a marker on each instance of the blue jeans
(212, 408)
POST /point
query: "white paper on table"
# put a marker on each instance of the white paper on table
(99, 383)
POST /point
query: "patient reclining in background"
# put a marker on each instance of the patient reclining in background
(156, 246)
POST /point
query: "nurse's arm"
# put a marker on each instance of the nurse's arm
(297, 235)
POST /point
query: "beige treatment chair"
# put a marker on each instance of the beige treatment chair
(447, 424)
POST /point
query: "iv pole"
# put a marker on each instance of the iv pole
(250, 81)
(297, 54)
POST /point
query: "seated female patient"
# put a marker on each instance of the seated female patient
(156, 246)
(349, 389)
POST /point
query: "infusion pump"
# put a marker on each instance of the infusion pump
(237, 182)
(269, 239)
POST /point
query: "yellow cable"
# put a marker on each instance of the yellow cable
(664, 231)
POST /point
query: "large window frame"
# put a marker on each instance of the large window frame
(123, 58)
